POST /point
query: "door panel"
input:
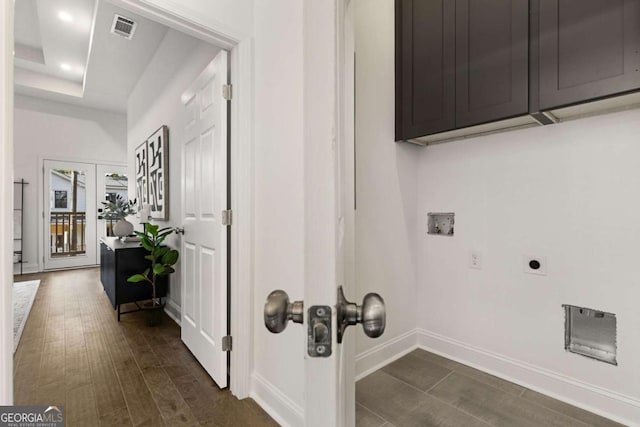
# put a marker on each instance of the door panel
(492, 60)
(425, 67)
(204, 244)
(587, 49)
(70, 215)
(111, 181)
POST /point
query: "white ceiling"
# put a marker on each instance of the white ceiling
(101, 68)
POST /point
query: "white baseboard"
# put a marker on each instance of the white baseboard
(385, 353)
(173, 311)
(609, 404)
(280, 407)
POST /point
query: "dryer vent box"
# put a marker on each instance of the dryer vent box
(441, 223)
(590, 333)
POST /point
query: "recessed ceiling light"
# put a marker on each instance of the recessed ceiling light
(65, 16)
(65, 67)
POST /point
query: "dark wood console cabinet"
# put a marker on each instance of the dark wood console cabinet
(118, 262)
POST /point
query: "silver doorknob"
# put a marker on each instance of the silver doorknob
(371, 314)
(278, 311)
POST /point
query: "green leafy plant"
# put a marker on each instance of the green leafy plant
(119, 209)
(162, 257)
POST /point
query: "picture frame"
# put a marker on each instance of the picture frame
(158, 173)
(141, 166)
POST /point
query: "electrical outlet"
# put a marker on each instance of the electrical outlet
(534, 265)
(475, 260)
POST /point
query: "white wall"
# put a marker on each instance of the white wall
(386, 187)
(279, 191)
(155, 101)
(567, 192)
(52, 130)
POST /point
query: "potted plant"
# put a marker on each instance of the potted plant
(162, 260)
(118, 210)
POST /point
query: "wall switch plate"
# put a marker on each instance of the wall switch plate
(475, 260)
(534, 265)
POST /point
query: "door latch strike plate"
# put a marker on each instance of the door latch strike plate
(319, 339)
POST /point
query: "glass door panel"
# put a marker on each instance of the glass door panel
(70, 216)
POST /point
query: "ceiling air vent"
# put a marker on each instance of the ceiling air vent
(124, 27)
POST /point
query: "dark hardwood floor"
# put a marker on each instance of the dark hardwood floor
(74, 353)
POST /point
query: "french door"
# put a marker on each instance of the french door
(69, 214)
(111, 181)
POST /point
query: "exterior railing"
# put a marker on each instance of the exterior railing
(68, 233)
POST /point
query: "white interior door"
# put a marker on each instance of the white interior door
(329, 222)
(69, 214)
(204, 197)
(111, 181)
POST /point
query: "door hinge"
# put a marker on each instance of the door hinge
(227, 92)
(227, 343)
(227, 217)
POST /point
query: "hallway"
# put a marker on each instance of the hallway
(73, 352)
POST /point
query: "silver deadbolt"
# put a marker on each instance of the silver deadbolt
(371, 314)
(278, 311)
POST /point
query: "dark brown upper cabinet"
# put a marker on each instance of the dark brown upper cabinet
(492, 60)
(459, 63)
(588, 49)
(425, 67)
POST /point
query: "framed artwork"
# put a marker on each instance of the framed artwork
(158, 173)
(142, 188)
(60, 200)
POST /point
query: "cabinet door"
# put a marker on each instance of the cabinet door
(587, 49)
(492, 58)
(425, 67)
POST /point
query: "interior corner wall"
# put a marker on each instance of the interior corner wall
(154, 102)
(386, 188)
(46, 129)
(566, 193)
(278, 377)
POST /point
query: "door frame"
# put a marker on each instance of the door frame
(239, 44)
(240, 47)
(6, 203)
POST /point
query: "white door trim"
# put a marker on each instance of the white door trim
(240, 47)
(6, 202)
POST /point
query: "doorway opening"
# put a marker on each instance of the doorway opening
(70, 212)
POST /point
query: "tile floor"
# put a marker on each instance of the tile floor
(74, 352)
(422, 389)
